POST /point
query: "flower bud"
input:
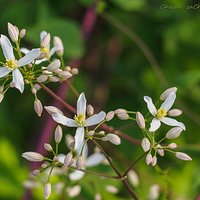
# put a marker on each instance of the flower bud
(174, 133)
(140, 120)
(154, 161)
(53, 110)
(154, 192)
(90, 133)
(58, 44)
(115, 139)
(167, 92)
(123, 116)
(90, 110)
(110, 116)
(101, 133)
(38, 107)
(13, 32)
(47, 191)
(68, 159)
(97, 196)
(64, 74)
(42, 78)
(120, 110)
(172, 146)
(54, 79)
(58, 134)
(48, 147)
(133, 178)
(53, 66)
(145, 144)
(148, 158)
(182, 156)
(34, 91)
(37, 87)
(74, 71)
(79, 162)
(160, 150)
(36, 172)
(22, 33)
(33, 156)
(175, 112)
(73, 191)
(68, 68)
(111, 189)
(46, 72)
(45, 40)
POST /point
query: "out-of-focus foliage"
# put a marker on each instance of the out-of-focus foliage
(117, 74)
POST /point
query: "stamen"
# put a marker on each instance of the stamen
(11, 64)
(80, 119)
(161, 113)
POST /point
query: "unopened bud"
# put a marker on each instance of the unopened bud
(68, 68)
(111, 189)
(90, 110)
(54, 79)
(68, 160)
(33, 156)
(58, 134)
(79, 162)
(38, 107)
(167, 92)
(22, 33)
(140, 120)
(90, 133)
(154, 192)
(148, 158)
(110, 116)
(54, 65)
(47, 191)
(53, 110)
(175, 112)
(42, 78)
(154, 161)
(73, 191)
(172, 146)
(145, 144)
(120, 110)
(46, 72)
(115, 139)
(160, 150)
(101, 133)
(74, 71)
(36, 172)
(97, 196)
(34, 91)
(45, 40)
(183, 156)
(48, 147)
(12, 84)
(123, 116)
(58, 44)
(64, 74)
(133, 178)
(37, 87)
(174, 133)
(13, 32)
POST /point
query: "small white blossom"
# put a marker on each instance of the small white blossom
(13, 32)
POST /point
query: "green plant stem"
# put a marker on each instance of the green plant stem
(76, 93)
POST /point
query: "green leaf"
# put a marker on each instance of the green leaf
(67, 30)
(86, 2)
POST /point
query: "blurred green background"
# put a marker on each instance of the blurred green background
(114, 73)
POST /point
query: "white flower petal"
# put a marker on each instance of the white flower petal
(42, 35)
(29, 57)
(24, 50)
(61, 119)
(95, 119)
(169, 101)
(150, 105)
(85, 151)
(61, 158)
(7, 48)
(4, 71)
(81, 104)
(54, 49)
(18, 80)
(172, 122)
(94, 159)
(76, 175)
(79, 139)
(155, 124)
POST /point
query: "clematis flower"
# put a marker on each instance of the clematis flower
(78, 121)
(161, 113)
(13, 65)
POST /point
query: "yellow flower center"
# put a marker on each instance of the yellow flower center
(80, 119)
(161, 113)
(45, 50)
(11, 64)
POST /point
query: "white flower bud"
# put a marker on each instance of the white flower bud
(47, 191)
(37, 87)
(154, 161)
(74, 71)
(148, 158)
(45, 40)
(140, 120)
(48, 147)
(58, 134)
(174, 133)
(120, 110)
(97, 196)
(12, 84)
(46, 72)
(167, 92)
(133, 178)
(160, 150)
(38, 107)
(101, 133)
(90, 133)
(110, 116)
(54, 79)
(64, 74)
(175, 112)
(36, 172)
(172, 146)
(52, 110)
(145, 144)
(13, 32)
(68, 68)
(182, 156)
(69, 140)
(59, 45)
(115, 139)
(79, 162)
(42, 78)
(1, 96)
(90, 110)
(123, 116)
(74, 191)
(22, 33)
(53, 66)
(154, 192)
(104, 139)
(68, 159)
(112, 189)
(33, 156)
(34, 91)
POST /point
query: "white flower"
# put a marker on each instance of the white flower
(161, 113)
(13, 65)
(79, 120)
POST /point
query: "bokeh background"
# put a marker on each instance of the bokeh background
(136, 48)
